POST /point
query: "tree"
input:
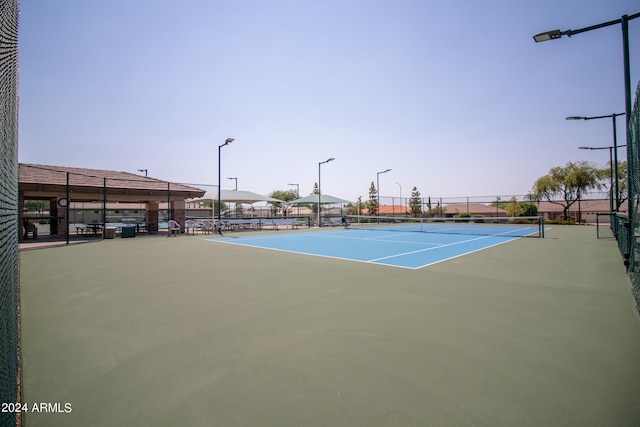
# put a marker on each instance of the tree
(530, 208)
(355, 208)
(38, 206)
(439, 210)
(623, 187)
(372, 204)
(515, 208)
(623, 182)
(312, 206)
(284, 195)
(431, 211)
(567, 183)
(415, 203)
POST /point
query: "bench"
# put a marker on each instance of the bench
(174, 228)
(335, 221)
(276, 223)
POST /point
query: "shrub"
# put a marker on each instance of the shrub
(560, 221)
(478, 218)
(464, 216)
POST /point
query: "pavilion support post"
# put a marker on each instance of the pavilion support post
(20, 215)
(67, 211)
(104, 205)
(151, 217)
(178, 213)
(169, 217)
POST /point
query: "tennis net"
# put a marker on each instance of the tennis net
(532, 226)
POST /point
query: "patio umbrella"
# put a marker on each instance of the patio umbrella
(235, 196)
(326, 199)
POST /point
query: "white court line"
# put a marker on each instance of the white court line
(451, 257)
(379, 239)
(371, 261)
(430, 249)
(229, 242)
(375, 260)
(533, 231)
(460, 230)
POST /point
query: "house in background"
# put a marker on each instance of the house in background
(585, 210)
(473, 209)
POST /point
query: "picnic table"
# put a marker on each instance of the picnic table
(88, 229)
(96, 229)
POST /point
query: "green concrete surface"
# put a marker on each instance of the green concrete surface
(184, 332)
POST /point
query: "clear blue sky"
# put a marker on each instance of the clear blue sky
(454, 97)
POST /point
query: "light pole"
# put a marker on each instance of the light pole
(297, 194)
(144, 170)
(236, 179)
(394, 210)
(235, 205)
(613, 159)
(378, 186)
(624, 22)
(319, 189)
(226, 141)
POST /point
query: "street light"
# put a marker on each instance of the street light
(378, 187)
(613, 159)
(548, 35)
(226, 141)
(236, 179)
(624, 21)
(319, 189)
(144, 170)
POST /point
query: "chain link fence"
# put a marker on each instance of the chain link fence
(9, 336)
(629, 226)
(626, 227)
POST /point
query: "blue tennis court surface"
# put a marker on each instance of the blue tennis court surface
(397, 249)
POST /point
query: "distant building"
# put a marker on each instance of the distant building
(587, 210)
(94, 193)
(473, 209)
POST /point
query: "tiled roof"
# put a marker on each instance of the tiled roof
(473, 209)
(81, 177)
(391, 209)
(584, 206)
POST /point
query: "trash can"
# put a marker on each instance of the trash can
(109, 233)
(128, 232)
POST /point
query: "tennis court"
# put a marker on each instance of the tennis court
(155, 331)
(409, 243)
